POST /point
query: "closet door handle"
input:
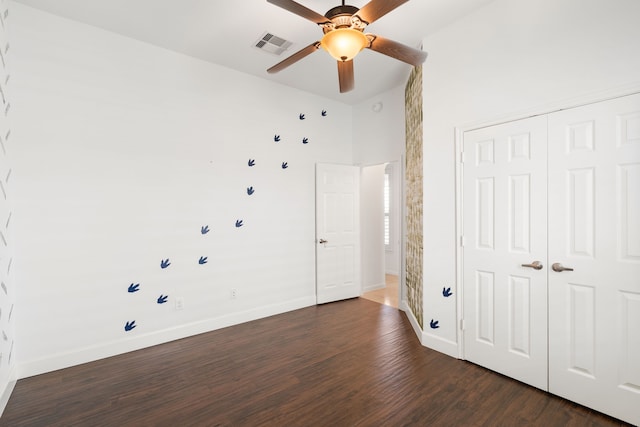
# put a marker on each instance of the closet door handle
(535, 265)
(323, 241)
(559, 268)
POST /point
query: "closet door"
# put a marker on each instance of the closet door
(505, 248)
(594, 230)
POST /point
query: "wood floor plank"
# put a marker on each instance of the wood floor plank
(351, 363)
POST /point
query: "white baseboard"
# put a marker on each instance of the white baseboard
(434, 342)
(101, 351)
(370, 288)
(6, 393)
(428, 340)
(404, 306)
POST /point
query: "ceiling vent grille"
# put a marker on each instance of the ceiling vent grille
(272, 44)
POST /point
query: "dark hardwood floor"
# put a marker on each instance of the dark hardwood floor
(351, 363)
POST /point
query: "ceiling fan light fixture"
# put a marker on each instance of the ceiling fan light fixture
(344, 43)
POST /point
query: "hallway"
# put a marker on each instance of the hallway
(387, 295)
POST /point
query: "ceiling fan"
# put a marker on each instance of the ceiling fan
(343, 27)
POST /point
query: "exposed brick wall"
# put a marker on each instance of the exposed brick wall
(413, 123)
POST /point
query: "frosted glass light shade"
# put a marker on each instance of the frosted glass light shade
(344, 43)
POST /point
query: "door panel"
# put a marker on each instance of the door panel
(594, 228)
(504, 211)
(337, 232)
(629, 212)
(519, 315)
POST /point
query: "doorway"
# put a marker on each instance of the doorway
(381, 236)
(389, 295)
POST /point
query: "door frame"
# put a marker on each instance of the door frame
(400, 202)
(459, 131)
(402, 227)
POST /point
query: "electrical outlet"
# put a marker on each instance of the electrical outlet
(179, 303)
(234, 293)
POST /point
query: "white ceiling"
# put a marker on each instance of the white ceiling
(224, 32)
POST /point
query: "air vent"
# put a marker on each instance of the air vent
(272, 44)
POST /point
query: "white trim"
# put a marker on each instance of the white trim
(577, 101)
(404, 306)
(552, 107)
(6, 393)
(388, 184)
(458, 138)
(434, 342)
(373, 287)
(402, 228)
(101, 351)
(399, 206)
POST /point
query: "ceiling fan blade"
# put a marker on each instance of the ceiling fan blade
(375, 9)
(294, 58)
(397, 50)
(345, 76)
(300, 10)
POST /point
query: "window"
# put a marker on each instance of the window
(387, 207)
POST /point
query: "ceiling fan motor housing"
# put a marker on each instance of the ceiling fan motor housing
(343, 16)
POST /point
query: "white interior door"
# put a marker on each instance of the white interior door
(337, 232)
(505, 225)
(594, 229)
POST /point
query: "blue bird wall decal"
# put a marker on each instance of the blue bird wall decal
(305, 140)
(251, 162)
(202, 260)
(301, 116)
(204, 229)
(239, 223)
(162, 299)
(165, 263)
(446, 292)
(276, 138)
(285, 165)
(250, 190)
(130, 325)
(134, 288)
(434, 324)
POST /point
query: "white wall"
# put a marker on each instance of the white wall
(511, 58)
(7, 217)
(372, 227)
(379, 137)
(124, 152)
